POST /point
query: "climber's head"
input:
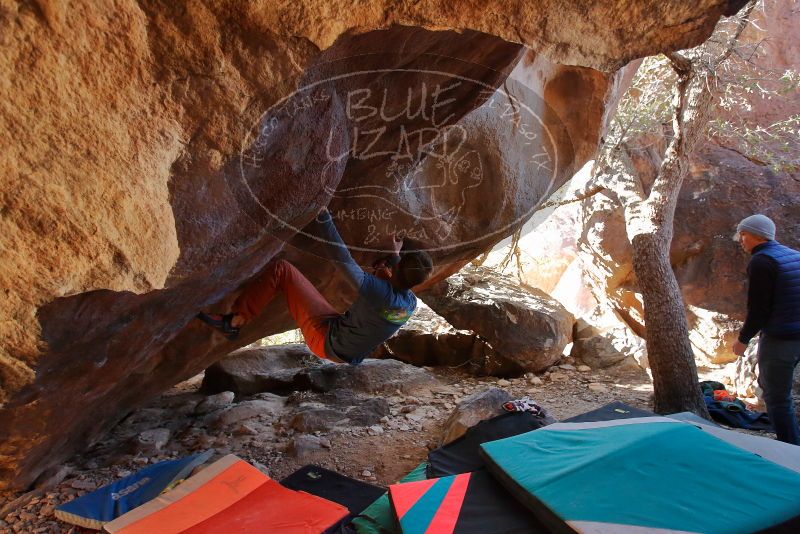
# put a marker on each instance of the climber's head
(414, 268)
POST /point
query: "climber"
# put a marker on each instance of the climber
(773, 308)
(384, 303)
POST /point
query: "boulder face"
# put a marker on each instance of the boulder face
(292, 367)
(428, 340)
(602, 342)
(475, 183)
(527, 329)
(156, 156)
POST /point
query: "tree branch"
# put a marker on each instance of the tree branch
(680, 64)
(578, 197)
(615, 171)
(743, 20)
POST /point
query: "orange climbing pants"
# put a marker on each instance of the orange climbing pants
(310, 310)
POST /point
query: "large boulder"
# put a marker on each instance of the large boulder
(313, 417)
(427, 339)
(527, 329)
(292, 367)
(162, 153)
(279, 368)
(478, 181)
(605, 343)
(375, 377)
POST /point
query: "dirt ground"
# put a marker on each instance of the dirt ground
(380, 454)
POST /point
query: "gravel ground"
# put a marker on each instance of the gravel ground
(379, 453)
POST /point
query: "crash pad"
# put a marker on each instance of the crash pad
(460, 504)
(353, 494)
(641, 473)
(462, 455)
(105, 504)
(378, 518)
(230, 496)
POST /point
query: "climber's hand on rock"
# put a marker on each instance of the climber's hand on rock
(739, 348)
(397, 243)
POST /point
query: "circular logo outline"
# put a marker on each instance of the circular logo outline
(249, 140)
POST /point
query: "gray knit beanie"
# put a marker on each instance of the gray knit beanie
(759, 225)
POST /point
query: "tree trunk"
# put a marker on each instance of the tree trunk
(649, 226)
(668, 348)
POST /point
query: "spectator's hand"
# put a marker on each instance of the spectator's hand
(738, 348)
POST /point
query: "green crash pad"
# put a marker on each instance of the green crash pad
(617, 475)
(378, 517)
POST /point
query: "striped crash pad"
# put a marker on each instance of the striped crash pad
(648, 473)
(464, 503)
(230, 496)
(377, 518)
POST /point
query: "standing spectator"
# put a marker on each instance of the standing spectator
(773, 308)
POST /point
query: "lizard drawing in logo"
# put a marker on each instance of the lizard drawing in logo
(432, 188)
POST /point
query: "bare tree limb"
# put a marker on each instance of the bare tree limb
(680, 64)
(743, 20)
(578, 197)
(614, 170)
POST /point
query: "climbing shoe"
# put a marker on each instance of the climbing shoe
(221, 323)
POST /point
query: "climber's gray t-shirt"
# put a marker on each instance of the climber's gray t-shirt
(378, 312)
